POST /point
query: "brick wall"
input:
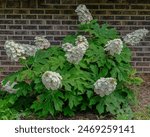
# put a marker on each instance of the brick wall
(22, 20)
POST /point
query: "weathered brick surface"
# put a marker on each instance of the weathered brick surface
(22, 20)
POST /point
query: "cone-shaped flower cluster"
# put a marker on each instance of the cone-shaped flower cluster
(16, 51)
(51, 80)
(83, 14)
(135, 37)
(9, 87)
(105, 86)
(75, 53)
(114, 46)
(41, 42)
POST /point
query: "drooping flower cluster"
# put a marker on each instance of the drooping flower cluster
(83, 14)
(9, 87)
(114, 46)
(105, 86)
(51, 80)
(16, 51)
(75, 53)
(41, 42)
(135, 37)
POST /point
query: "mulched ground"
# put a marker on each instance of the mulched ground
(144, 91)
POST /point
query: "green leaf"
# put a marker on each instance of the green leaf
(57, 62)
(45, 100)
(68, 112)
(36, 106)
(94, 100)
(22, 89)
(103, 72)
(100, 107)
(25, 75)
(58, 103)
(114, 72)
(48, 107)
(94, 69)
(73, 100)
(69, 39)
(84, 106)
(39, 88)
(89, 93)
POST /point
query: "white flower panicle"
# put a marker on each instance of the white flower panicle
(30, 50)
(51, 80)
(16, 51)
(105, 86)
(67, 47)
(135, 37)
(41, 42)
(82, 42)
(75, 53)
(83, 14)
(114, 46)
(9, 87)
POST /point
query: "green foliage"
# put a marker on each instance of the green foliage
(77, 92)
(6, 112)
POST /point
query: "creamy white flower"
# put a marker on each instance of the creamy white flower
(51, 80)
(30, 50)
(105, 86)
(9, 87)
(83, 14)
(75, 53)
(41, 42)
(67, 46)
(135, 37)
(82, 42)
(114, 46)
(16, 51)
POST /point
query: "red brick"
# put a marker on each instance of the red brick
(22, 20)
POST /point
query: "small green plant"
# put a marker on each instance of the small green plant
(92, 76)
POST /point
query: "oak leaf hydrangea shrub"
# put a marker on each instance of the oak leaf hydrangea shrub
(88, 73)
